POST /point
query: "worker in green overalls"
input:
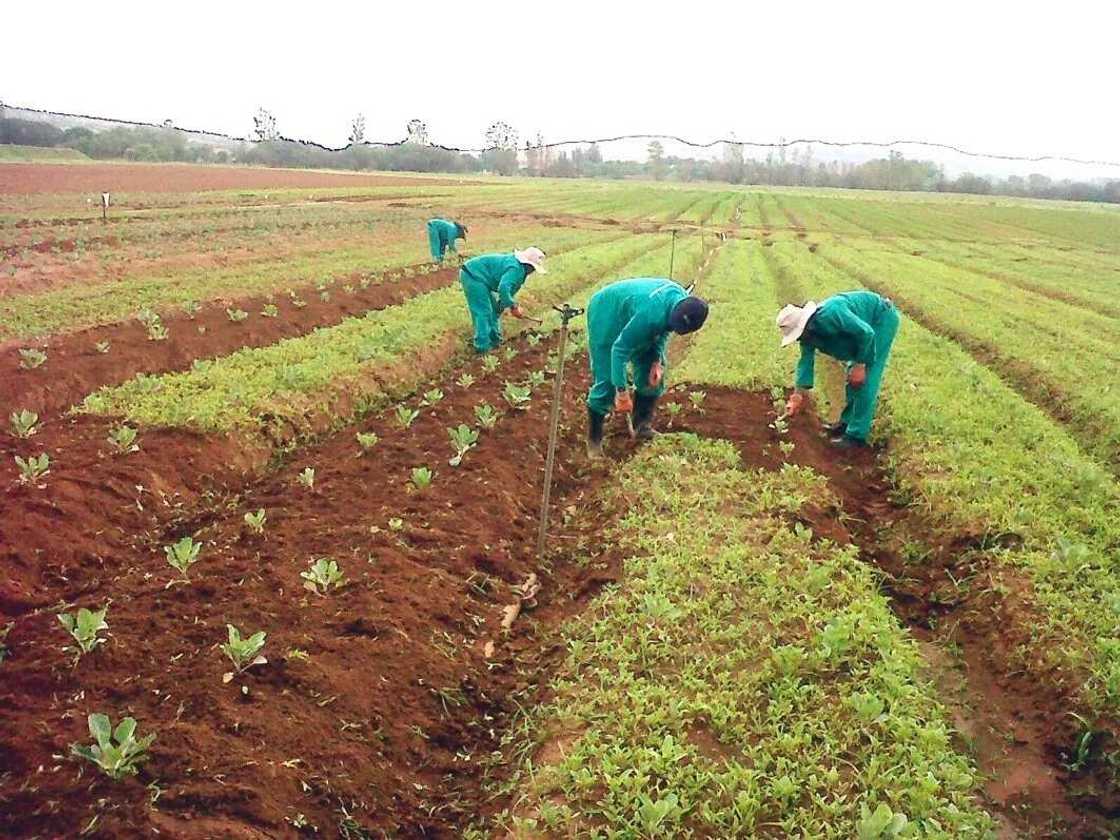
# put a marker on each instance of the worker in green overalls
(442, 235)
(491, 283)
(628, 325)
(857, 328)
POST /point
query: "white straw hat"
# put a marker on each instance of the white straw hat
(533, 257)
(792, 320)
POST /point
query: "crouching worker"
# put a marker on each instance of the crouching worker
(491, 283)
(857, 328)
(442, 235)
(628, 323)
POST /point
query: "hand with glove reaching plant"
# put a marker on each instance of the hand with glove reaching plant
(623, 401)
(656, 372)
(857, 376)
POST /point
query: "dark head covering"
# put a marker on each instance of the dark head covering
(462, 231)
(688, 315)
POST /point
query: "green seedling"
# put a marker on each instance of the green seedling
(432, 397)
(4, 631)
(406, 416)
(123, 439)
(243, 653)
(367, 440)
(255, 521)
(422, 477)
(297, 655)
(490, 363)
(463, 438)
(780, 425)
(673, 410)
(533, 339)
(192, 308)
(297, 301)
(270, 310)
(510, 354)
(486, 415)
(24, 423)
(34, 468)
(84, 627)
(465, 381)
(118, 753)
(787, 447)
(237, 315)
(324, 576)
(348, 288)
(536, 378)
(517, 395)
(697, 399)
(157, 331)
(883, 824)
(396, 524)
(31, 358)
(182, 555)
(324, 296)
(307, 478)
(364, 283)
(102, 347)
(147, 317)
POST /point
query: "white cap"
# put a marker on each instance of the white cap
(534, 257)
(792, 320)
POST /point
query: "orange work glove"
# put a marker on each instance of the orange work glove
(795, 403)
(623, 401)
(857, 376)
(656, 371)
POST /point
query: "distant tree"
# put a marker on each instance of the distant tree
(264, 126)
(357, 130)
(418, 133)
(593, 154)
(168, 123)
(501, 147)
(656, 154)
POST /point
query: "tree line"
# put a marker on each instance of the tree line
(507, 154)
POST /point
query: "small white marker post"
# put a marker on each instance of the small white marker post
(104, 207)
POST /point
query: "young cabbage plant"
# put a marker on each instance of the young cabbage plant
(297, 301)
(465, 381)
(34, 468)
(486, 415)
(147, 317)
(432, 397)
(517, 395)
(243, 653)
(697, 399)
(463, 438)
(367, 440)
(534, 339)
(324, 296)
(324, 576)
(123, 439)
(84, 627)
(536, 378)
(490, 363)
(673, 410)
(255, 521)
(182, 555)
(31, 358)
(510, 354)
(237, 315)
(882, 824)
(102, 347)
(307, 478)
(118, 753)
(191, 307)
(24, 423)
(421, 477)
(270, 310)
(157, 331)
(406, 416)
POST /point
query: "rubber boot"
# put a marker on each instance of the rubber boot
(595, 423)
(643, 417)
(835, 429)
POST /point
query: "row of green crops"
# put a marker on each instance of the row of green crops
(83, 305)
(746, 680)
(973, 454)
(288, 382)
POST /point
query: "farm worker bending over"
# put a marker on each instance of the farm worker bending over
(628, 323)
(491, 283)
(857, 328)
(442, 235)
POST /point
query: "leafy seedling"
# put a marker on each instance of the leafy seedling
(486, 415)
(182, 555)
(102, 347)
(297, 655)
(536, 378)
(237, 315)
(118, 753)
(123, 439)
(324, 296)
(84, 627)
(432, 397)
(396, 524)
(534, 339)
(465, 381)
(463, 439)
(24, 423)
(34, 468)
(157, 331)
(31, 358)
(421, 477)
(673, 410)
(255, 521)
(406, 416)
(510, 354)
(324, 576)
(883, 824)
(191, 307)
(367, 440)
(307, 478)
(490, 363)
(517, 395)
(298, 302)
(270, 310)
(697, 400)
(243, 653)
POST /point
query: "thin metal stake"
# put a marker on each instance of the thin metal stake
(566, 314)
(672, 253)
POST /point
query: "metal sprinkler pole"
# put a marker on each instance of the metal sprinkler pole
(672, 253)
(567, 313)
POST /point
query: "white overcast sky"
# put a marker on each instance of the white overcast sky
(1021, 78)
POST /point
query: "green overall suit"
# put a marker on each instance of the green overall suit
(441, 237)
(628, 323)
(490, 283)
(856, 328)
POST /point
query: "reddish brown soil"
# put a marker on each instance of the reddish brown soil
(32, 178)
(74, 368)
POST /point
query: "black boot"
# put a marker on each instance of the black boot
(595, 433)
(835, 429)
(643, 417)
